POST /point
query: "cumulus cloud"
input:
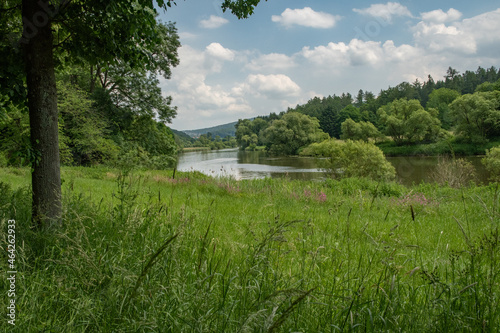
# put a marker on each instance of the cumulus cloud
(306, 17)
(198, 100)
(400, 54)
(273, 85)
(213, 22)
(483, 29)
(478, 34)
(356, 53)
(218, 51)
(439, 16)
(439, 37)
(271, 62)
(385, 11)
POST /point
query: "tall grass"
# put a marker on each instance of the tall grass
(147, 253)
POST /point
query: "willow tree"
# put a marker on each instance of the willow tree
(47, 32)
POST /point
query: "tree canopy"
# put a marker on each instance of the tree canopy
(405, 120)
(477, 115)
(293, 131)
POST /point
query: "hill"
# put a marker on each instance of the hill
(220, 130)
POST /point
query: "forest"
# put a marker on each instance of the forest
(109, 113)
(463, 109)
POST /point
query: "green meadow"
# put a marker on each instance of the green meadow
(142, 251)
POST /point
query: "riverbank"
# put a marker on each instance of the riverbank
(437, 149)
(196, 149)
(146, 252)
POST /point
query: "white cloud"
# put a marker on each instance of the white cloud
(333, 53)
(187, 35)
(439, 37)
(274, 85)
(213, 22)
(483, 29)
(356, 53)
(197, 100)
(400, 54)
(218, 51)
(364, 53)
(385, 11)
(439, 16)
(306, 17)
(468, 36)
(271, 62)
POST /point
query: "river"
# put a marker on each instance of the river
(250, 165)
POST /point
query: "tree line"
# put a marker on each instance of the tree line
(464, 107)
(207, 140)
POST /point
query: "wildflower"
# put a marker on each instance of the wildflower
(321, 197)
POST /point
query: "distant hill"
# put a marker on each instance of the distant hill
(221, 130)
(183, 135)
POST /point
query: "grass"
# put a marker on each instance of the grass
(143, 252)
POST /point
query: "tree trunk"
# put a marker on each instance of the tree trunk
(42, 104)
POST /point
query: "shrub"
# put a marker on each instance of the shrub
(455, 173)
(492, 162)
(352, 159)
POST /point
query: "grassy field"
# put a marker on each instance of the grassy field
(142, 252)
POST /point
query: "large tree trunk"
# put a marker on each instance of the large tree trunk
(42, 104)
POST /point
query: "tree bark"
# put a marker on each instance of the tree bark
(43, 113)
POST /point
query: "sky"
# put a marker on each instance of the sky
(290, 51)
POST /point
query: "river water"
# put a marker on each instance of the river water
(251, 165)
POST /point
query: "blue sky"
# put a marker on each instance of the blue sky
(289, 51)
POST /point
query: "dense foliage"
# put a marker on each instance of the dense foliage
(109, 111)
(344, 159)
(492, 162)
(290, 133)
(407, 121)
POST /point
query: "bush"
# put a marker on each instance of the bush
(352, 159)
(455, 173)
(492, 162)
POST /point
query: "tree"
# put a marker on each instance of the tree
(477, 116)
(243, 132)
(440, 99)
(488, 86)
(91, 30)
(352, 159)
(407, 121)
(83, 131)
(362, 130)
(293, 131)
(349, 112)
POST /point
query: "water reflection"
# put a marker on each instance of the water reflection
(248, 165)
(251, 165)
(417, 169)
